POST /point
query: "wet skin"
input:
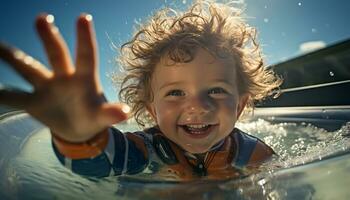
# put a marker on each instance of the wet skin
(196, 104)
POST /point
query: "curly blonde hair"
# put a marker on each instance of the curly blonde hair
(218, 28)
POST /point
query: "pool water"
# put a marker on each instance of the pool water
(313, 163)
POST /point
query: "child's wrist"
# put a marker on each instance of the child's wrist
(82, 150)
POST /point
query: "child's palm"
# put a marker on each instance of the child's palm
(69, 99)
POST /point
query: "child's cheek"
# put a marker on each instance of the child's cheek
(228, 108)
(167, 110)
(229, 103)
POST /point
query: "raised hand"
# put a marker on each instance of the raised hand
(69, 99)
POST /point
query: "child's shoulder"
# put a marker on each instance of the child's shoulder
(250, 149)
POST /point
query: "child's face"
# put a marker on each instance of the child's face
(196, 104)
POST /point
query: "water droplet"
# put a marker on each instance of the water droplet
(262, 182)
(266, 20)
(331, 73)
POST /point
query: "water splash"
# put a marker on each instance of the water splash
(298, 144)
(37, 169)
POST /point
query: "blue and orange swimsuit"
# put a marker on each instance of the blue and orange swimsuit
(117, 153)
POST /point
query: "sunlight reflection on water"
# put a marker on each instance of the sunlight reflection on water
(36, 173)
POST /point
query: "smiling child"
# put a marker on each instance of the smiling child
(189, 76)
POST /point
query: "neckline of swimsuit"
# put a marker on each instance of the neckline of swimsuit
(202, 163)
(215, 148)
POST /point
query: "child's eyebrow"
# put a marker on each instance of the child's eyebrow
(221, 81)
(224, 81)
(170, 84)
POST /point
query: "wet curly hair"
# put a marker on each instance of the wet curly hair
(218, 28)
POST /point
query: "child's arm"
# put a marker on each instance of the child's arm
(124, 154)
(69, 99)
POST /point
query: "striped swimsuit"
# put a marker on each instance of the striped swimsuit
(123, 154)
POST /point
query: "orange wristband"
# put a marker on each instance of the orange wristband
(88, 149)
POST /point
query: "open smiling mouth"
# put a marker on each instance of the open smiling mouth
(198, 130)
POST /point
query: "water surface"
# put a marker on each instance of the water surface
(313, 163)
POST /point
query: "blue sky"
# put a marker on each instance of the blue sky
(287, 28)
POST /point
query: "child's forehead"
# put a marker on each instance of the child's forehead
(204, 67)
(198, 55)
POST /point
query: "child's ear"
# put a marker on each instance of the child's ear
(243, 100)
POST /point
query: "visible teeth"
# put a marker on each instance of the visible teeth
(197, 126)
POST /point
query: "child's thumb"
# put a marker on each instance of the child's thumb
(113, 113)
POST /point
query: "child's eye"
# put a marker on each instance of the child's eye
(175, 93)
(217, 90)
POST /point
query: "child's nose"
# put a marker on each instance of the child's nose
(199, 105)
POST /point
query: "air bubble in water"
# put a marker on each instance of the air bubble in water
(331, 73)
(299, 4)
(266, 20)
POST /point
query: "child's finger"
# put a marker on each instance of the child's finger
(55, 46)
(113, 113)
(86, 59)
(15, 98)
(29, 68)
